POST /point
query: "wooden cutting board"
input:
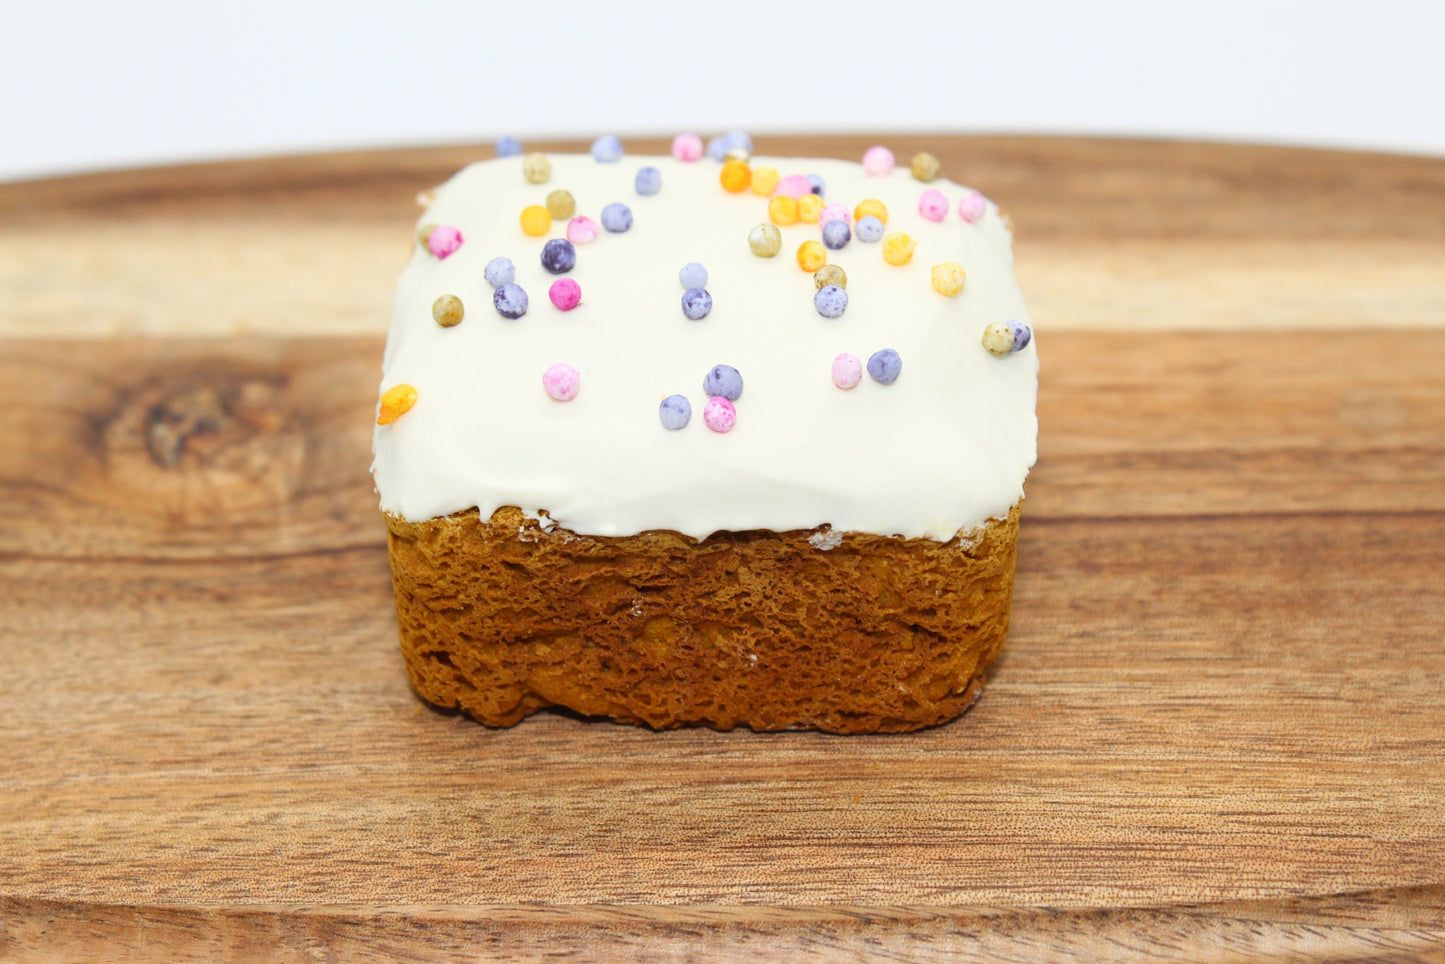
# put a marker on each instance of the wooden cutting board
(1218, 729)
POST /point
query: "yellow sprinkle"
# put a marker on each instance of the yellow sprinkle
(783, 210)
(812, 256)
(447, 310)
(871, 206)
(898, 248)
(765, 241)
(765, 180)
(736, 175)
(810, 206)
(948, 278)
(998, 339)
(925, 166)
(830, 274)
(398, 400)
(536, 220)
(536, 168)
(424, 232)
(561, 204)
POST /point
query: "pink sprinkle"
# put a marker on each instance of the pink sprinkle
(581, 230)
(565, 294)
(794, 185)
(719, 414)
(878, 161)
(687, 147)
(836, 212)
(847, 370)
(933, 205)
(972, 207)
(561, 382)
(443, 240)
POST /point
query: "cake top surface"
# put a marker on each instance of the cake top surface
(942, 448)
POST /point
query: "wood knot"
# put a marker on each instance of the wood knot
(208, 419)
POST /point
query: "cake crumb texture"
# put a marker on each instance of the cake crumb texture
(501, 618)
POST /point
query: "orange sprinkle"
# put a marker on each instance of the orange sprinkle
(898, 248)
(871, 206)
(812, 256)
(783, 210)
(536, 220)
(395, 402)
(765, 180)
(810, 206)
(736, 175)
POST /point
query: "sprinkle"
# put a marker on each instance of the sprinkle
(898, 248)
(617, 217)
(884, 366)
(765, 240)
(696, 303)
(508, 147)
(687, 147)
(1023, 334)
(717, 149)
(810, 207)
(536, 220)
(972, 206)
(871, 206)
(737, 141)
(510, 300)
(675, 412)
(561, 382)
(795, 186)
(719, 414)
(820, 186)
(581, 230)
(1008, 222)
(835, 212)
(948, 278)
(447, 310)
(536, 168)
(830, 274)
(499, 271)
(607, 149)
(783, 210)
(423, 233)
(925, 166)
(765, 180)
(998, 338)
(933, 205)
(869, 229)
(836, 234)
(559, 256)
(561, 204)
(395, 402)
(878, 161)
(443, 240)
(693, 275)
(847, 371)
(735, 175)
(424, 199)
(812, 256)
(831, 301)
(723, 380)
(565, 293)
(648, 181)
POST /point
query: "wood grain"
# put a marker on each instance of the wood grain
(1216, 732)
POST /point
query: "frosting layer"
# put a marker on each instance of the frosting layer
(943, 448)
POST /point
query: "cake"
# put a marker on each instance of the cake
(644, 454)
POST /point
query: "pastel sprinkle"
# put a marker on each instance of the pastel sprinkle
(869, 229)
(696, 303)
(972, 206)
(648, 181)
(765, 240)
(1022, 335)
(898, 248)
(830, 274)
(925, 166)
(424, 232)
(723, 380)
(948, 278)
(581, 230)
(499, 271)
(812, 256)
(617, 217)
(693, 275)
(836, 234)
(765, 180)
(783, 210)
(607, 149)
(810, 207)
(878, 161)
(737, 141)
(836, 212)
(561, 204)
(831, 301)
(443, 240)
(717, 149)
(510, 301)
(395, 402)
(794, 186)
(998, 338)
(559, 256)
(819, 186)
(687, 147)
(508, 147)
(847, 371)
(536, 168)
(675, 412)
(871, 206)
(536, 220)
(884, 366)
(719, 414)
(562, 382)
(447, 311)
(735, 175)
(565, 293)
(933, 205)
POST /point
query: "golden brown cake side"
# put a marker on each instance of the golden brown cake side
(501, 618)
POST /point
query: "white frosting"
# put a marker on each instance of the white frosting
(943, 449)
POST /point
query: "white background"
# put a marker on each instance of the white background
(107, 84)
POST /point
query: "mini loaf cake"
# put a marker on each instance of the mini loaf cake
(716, 440)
